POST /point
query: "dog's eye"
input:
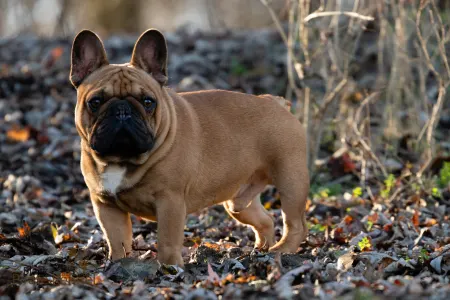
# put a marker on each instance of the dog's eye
(149, 103)
(95, 103)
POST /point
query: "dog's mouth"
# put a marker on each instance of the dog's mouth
(121, 135)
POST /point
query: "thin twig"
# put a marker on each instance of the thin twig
(331, 96)
(435, 114)
(423, 44)
(319, 118)
(336, 13)
(366, 147)
(302, 9)
(441, 41)
(363, 104)
(288, 43)
(290, 57)
(276, 21)
(361, 141)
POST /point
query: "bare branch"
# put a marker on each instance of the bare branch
(350, 14)
(331, 96)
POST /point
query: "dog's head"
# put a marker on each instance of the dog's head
(119, 106)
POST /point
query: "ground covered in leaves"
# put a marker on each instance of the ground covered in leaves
(390, 240)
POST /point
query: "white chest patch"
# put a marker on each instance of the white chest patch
(112, 178)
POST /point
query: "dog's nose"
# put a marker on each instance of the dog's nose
(123, 112)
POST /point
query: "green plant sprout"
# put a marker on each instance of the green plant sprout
(364, 244)
(424, 255)
(357, 192)
(388, 185)
(444, 175)
(435, 192)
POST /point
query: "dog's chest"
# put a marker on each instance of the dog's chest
(112, 179)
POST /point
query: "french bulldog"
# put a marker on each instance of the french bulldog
(149, 151)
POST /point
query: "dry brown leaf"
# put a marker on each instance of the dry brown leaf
(98, 278)
(373, 218)
(430, 222)
(387, 227)
(349, 166)
(212, 246)
(19, 134)
(415, 219)
(24, 231)
(348, 219)
(243, 279)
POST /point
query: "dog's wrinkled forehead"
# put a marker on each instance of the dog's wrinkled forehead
(118, 81)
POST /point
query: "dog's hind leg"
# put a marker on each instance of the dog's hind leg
(246, 208)
(259, 219)
(292, 181)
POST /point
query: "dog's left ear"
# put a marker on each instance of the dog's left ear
(150, 54)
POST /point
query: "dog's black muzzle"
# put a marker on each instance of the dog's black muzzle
(121, 131)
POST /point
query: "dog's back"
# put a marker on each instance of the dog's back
(283, 102)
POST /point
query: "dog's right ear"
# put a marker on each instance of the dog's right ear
(88, 54)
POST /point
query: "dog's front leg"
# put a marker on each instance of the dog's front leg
(116, 226)
(171, 217)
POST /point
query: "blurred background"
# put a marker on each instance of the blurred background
(62, 17)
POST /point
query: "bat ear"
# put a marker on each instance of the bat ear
(150, 54)
(88, 54)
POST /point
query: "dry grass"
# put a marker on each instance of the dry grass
(384, 68)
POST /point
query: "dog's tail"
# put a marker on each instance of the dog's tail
(283, 102)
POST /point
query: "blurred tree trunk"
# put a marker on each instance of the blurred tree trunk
(3, 6)
(118, 16)
(61, 23)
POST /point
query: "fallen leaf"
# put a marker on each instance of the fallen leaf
(341, 165)
(245, 279)
(98, 278)
(284, 284)
(212, 276)
(345, 261)
(430, 222)
(19, 134)
(387, 227)
(54, 228)
(348, 219)
(349, 166)
(373, 217)
(25, 230)
(415, 219)
(212, 246)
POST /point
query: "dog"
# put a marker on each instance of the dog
(149, 151)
